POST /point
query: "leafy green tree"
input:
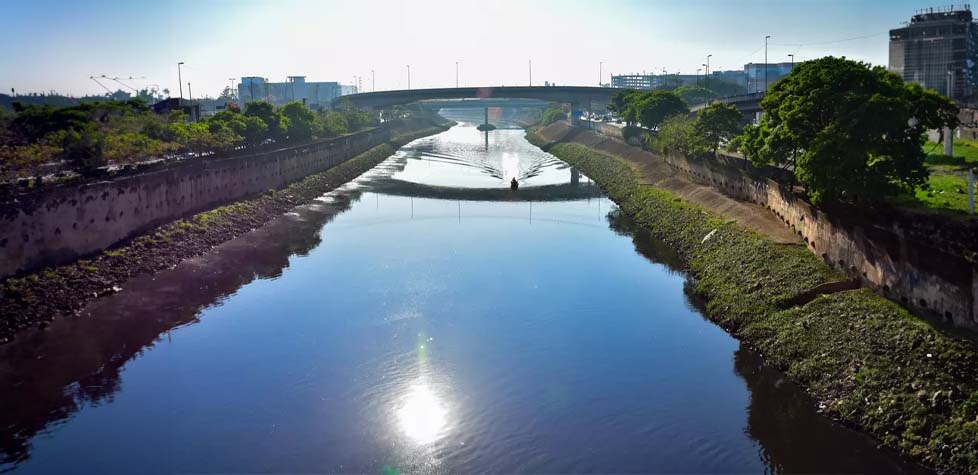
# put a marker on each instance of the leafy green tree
(678, 135)
(302, 124)
(273, 119)
(83, 147)
(695, 95)
(847, 130)
(718, 123)
(552, 114)
(653, 107)
(335, 124)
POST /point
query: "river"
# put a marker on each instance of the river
(423, 318)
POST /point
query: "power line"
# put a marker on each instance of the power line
(818, 43)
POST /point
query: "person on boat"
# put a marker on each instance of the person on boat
(513, 184)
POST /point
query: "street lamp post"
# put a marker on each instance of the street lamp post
(373, 81)
(792, 62)
(530, 63)
(180, 80)
(456, 74)
(708, 70)
(409, 76)
(600, 72)
(231, 89)
(766, 67)
(698, 75)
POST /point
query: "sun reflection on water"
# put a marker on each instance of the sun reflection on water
(422, 416)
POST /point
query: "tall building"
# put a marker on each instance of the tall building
(760, 76)
(937, 50)
(295, 88)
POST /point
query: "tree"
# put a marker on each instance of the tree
(847, 130)
(553, 114)
(334, 124)
(83, 147)
(718, 123)
(652, 107)
(302, 124)
(695, 95)
(678, 135)
(277, 125)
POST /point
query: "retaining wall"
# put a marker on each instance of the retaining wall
(925, 262)
(59, 225)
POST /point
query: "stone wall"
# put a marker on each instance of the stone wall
(59, 225)
(925, 262)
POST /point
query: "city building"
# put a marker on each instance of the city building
(937, 49)
(647, 82)
(295, 88)
(760, 76)
(642, 82)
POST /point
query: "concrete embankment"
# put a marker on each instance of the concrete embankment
(37, 298)
(868, 362)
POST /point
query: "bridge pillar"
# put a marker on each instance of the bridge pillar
(577, 110)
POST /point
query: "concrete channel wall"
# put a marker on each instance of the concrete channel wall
(926, 263)
(56, 226)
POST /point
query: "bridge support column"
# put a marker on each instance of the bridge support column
(577, 110)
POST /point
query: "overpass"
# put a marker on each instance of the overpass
(748, 104)
(581, 98)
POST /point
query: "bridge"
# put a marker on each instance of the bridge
(581, 98)
(747, 104)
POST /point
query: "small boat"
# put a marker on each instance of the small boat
(513, 184)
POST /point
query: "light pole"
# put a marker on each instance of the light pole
(698, 75)
(180, 80)
(600, 72)
(456, 74)
(530, 63)
(792, 62)
(373, 81)
(193, 116)
(765, 63)
(409, 76)
(708, 70)
(231, 89)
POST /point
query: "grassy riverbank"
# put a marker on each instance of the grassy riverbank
(868, 362)
(36, 299)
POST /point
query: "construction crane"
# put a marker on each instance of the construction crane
(100, 84)
(119, 80)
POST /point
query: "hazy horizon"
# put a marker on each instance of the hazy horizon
(59, 45)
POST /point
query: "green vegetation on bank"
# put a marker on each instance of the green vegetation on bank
(37, 139)
(867, 361)
(37, 298)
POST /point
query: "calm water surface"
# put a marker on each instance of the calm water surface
(424, 318)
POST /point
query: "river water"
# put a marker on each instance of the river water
(424, 318)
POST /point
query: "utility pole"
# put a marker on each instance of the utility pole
(191, 92)
(409, 76)
(231, 89)
(708, 70)
(180, 81)
(766, 67)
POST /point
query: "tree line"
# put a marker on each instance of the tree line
(39, 139)
(846, 131)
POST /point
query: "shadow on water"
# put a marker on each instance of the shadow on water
(76, 362)
(792, 436)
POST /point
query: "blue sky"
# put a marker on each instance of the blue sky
(57, 45)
